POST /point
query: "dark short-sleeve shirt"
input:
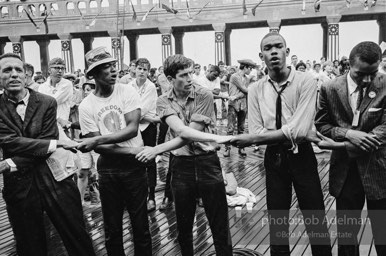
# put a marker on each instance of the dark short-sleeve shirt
(198, 108)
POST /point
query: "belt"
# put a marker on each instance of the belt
(203, 154)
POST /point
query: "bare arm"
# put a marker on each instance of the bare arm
(127, 133)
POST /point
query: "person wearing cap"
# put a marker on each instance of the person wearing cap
(237, 106)
(196, 170)
(351, 110)
(61, 89)
(109, 121)
(281, 110)
(149, 120)
(28, 136)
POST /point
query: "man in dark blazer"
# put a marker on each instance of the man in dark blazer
(28, 134)
(352, 110)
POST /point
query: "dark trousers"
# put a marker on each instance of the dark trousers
(168, 190)
(234, 115)
(349, 205)
(284, 169)
(200, 176)
(149, 137)
(61, 202)
(123, 184)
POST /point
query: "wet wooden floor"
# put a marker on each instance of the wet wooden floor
(246, 228)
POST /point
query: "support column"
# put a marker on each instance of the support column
(333, 37)
(219, 42)
(167, 49)
(2, 45)
(87, 43)
(87, 46)
(116, 47)
(178, 39)
(274, 25)
(325, 37)
(17, 45)
(382, 28)
(67, 54)
(133, 45)
(227, 37)
(44, 55)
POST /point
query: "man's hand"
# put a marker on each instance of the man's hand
(88, 144)
(223, 139)
(312, 136)
(216, 91)
(364, 141)
(243, 140)
(65, 124)
(4, 166)
(68, 145)
(149, 153)
(327, 143)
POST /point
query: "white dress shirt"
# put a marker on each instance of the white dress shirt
(353, 92)
(148, 94)
(62, 92)
(298, 106)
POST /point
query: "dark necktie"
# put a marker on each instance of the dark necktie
(278, 104)
(360, 96)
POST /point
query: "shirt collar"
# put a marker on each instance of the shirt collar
(172, 95)
(134, 83)
(24, 100)
(289, 80)
(352, 86)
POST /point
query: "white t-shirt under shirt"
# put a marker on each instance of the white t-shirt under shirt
(106, 115)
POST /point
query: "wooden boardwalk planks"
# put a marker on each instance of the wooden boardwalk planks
(246, 230)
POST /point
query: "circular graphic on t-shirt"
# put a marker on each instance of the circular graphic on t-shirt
(112, 122)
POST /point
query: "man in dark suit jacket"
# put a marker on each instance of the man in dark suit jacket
(352, 111)
(28, 134)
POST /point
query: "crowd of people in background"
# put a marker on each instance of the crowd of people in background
(143, 112)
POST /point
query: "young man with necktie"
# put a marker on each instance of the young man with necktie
(281, 110)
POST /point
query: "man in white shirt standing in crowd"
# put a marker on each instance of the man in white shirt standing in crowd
(126, 79)
(61, 89)
(197, 71)
(109, 120)
(148, 124)
(211, 81)
(289, 159)
(237, 106)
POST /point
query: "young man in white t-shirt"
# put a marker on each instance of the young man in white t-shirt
(109, 120)
(148, 123)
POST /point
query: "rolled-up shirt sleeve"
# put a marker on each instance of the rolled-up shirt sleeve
(163, 108)
(303, 118)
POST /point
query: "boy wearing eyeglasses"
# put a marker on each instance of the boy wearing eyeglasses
(61, 89)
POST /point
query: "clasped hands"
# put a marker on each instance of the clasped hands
(84, 145)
